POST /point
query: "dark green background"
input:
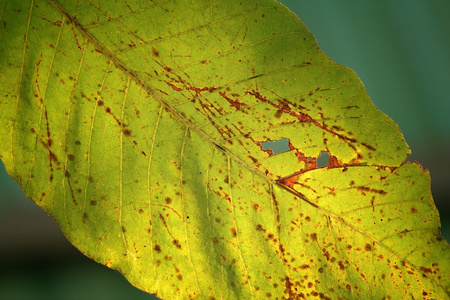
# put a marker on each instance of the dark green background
(401, 51)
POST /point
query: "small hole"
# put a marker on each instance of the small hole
(323, 159)
(279, 146)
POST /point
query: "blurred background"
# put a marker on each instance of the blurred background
(401, 51)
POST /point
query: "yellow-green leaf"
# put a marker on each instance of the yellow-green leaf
(143, 128)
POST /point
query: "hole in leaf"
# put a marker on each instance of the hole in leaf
(323, 159)
(279, 146)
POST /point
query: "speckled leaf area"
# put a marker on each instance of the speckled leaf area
(142, 128)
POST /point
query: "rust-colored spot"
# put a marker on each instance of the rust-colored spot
(368, 146)
(173, 86)
(314, 236)
(233, 103)
(289, 181)
(367, 247)
(414, 210)
(233, 231)
(180, 277)
(141, 211)
(157, 248)
(255, 206)
(168, 200)
(333, 162)
(278, 114)
(341, 265)
(259, 227)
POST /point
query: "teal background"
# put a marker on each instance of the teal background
(401, 51)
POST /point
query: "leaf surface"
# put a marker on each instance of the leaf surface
(142, 127)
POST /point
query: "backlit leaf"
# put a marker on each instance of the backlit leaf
(146, 129)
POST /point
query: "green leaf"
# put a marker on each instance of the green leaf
(142, 128)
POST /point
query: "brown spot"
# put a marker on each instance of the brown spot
(278, 114)
(341, 265)
(157, 248)
(141, 211)
(168, 200)
(71, 157)
(67, 174)
(101, 103)
(368, 146)
(414, 210)
(124, 229)
(127, 132)
(90, 179)
(255, 206)
(215, 240)
(177, 243)
(259, 227)
(367, 247)
(32, 130)
(304, 267)
(77, 143)
(155, 52)
(180, 277)
(218, 220)
(314, 236)
(93, 202)
(233, 232)
(85, 217)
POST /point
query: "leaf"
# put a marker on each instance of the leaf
(143, 128)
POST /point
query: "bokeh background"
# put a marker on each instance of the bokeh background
(401, 51)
